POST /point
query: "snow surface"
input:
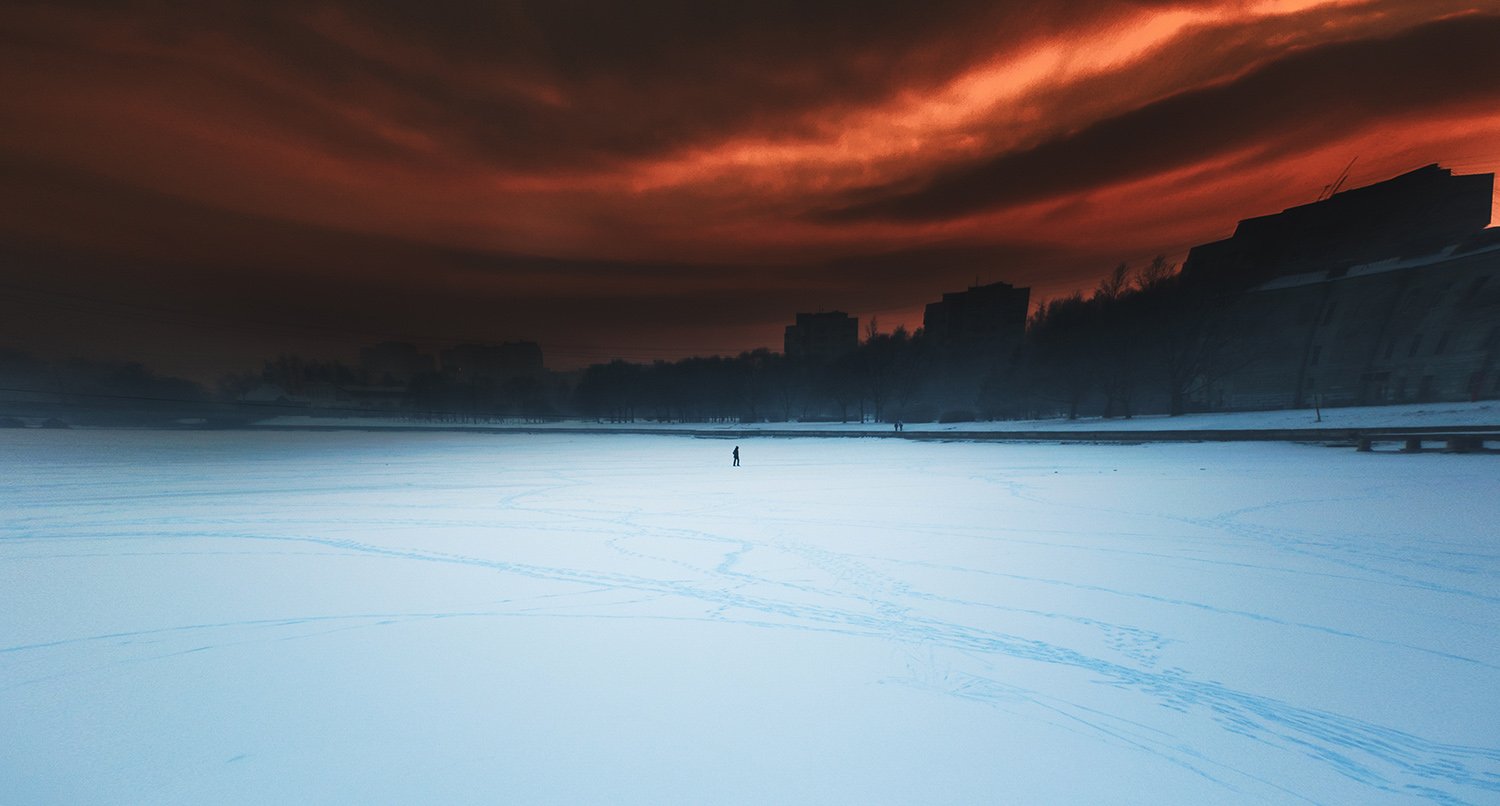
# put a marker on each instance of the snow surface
(354, 617)
(1480, 413)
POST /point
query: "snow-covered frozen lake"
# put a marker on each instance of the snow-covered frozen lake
(466, 618)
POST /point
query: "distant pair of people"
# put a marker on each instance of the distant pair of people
(900, 426)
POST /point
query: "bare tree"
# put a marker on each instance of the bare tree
(1114, 285)
(1063, 347)
(1117, 345)
(1186, 328)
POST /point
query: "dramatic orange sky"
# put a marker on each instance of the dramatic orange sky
(201, 184)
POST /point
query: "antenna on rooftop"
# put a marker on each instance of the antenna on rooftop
(1333, 187)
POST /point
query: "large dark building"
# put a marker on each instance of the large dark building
(1384, 294)
(986, 314)
(1416, 213)
(971, 339)
(1408, 330)
(821, 336)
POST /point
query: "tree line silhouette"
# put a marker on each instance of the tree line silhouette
(1145, 340)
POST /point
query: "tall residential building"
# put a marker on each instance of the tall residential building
(985, 313)
(821, 336)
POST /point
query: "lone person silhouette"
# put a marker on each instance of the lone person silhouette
(736, 456)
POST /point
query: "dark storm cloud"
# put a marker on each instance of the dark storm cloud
(119, 261)
(1312, 95)
(103, 278)
(602, 81)
(565, 84)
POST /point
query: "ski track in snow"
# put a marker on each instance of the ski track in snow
(778, 572)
